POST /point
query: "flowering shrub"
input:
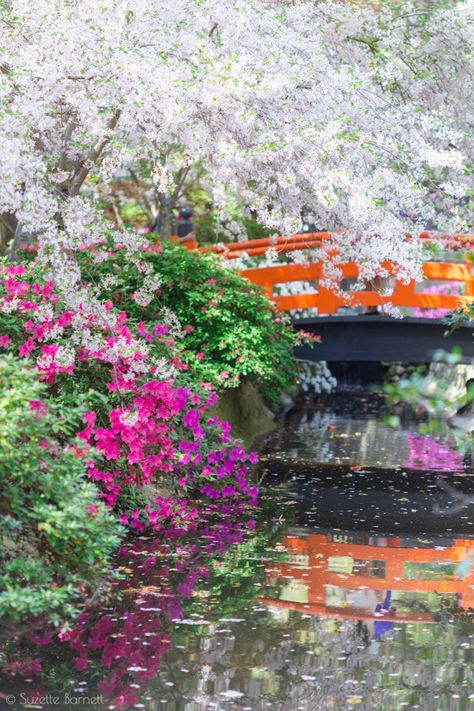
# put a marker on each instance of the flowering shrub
(160, 434)
(56, 535)
(143, 425)
(229, 330)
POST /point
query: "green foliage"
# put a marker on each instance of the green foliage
(455, 319)
(235, 326)
(133, 214)
(207, 232)
(426, 394)
(56, 535)
(235, 332)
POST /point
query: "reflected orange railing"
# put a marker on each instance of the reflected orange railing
(316, 575)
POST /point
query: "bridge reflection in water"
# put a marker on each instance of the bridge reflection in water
(381, 580)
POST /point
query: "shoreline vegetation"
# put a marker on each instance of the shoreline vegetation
(114, 417)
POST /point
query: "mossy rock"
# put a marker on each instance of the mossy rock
(244, 408)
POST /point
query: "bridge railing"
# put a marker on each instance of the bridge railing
(259, 247)
(327, 301)
(313, 240)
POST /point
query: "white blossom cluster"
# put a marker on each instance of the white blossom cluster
(169, 318)
(359, 115)
(64, 357)
(150, 284)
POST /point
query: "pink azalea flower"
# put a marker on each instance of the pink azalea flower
(39, 407)
(26, 348)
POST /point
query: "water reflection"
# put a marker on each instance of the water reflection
(350, 429)
(344, 590)
(381, 580)
(111, 653)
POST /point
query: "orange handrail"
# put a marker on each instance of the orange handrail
(327, 301)
(257, 247)
(310, 240)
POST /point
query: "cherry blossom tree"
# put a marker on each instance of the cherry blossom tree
(359, 115)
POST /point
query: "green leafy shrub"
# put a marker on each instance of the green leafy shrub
(233, 331)
(56, 535)
(141, 420)
(236, 328)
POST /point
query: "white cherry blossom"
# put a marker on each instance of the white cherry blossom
(358, 115)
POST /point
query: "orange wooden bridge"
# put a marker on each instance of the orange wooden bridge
(352, 336)
(314, 564)
(327, 301)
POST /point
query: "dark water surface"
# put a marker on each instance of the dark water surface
(350, 588)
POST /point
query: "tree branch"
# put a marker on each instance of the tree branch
(84, 167)
(182, 175)
(68, 131)
(8, 227)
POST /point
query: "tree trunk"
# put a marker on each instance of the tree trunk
(18, 239)
(7, 230)
(166, 222)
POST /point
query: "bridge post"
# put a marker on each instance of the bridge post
(327, 301)
(403, 293)
(469, 288)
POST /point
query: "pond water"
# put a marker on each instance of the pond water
(350, 587)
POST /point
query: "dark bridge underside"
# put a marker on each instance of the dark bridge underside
(382, 338)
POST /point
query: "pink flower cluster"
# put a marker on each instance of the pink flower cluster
(37, 301)
(159, 430)
(58, 339)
